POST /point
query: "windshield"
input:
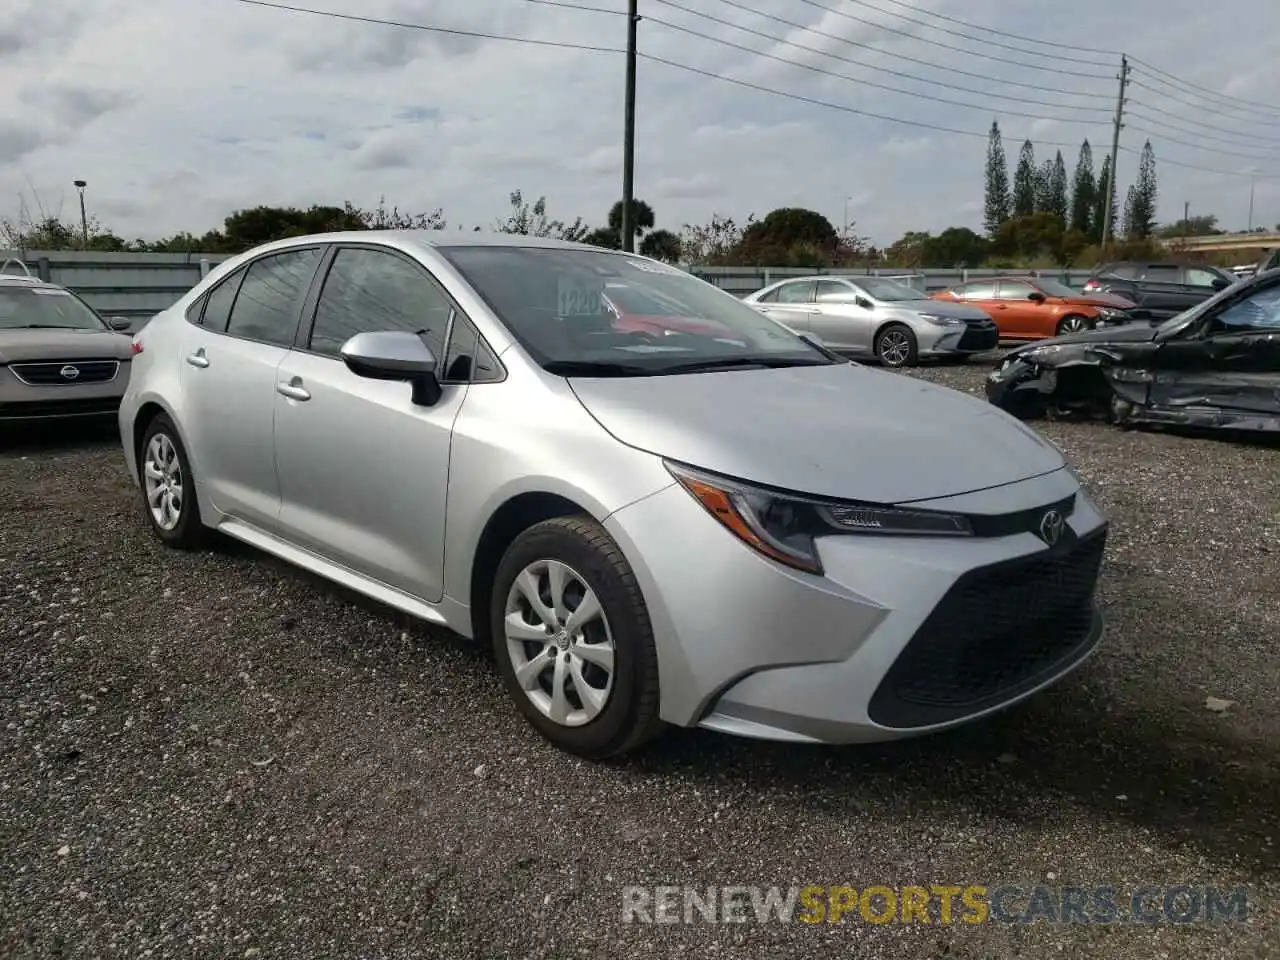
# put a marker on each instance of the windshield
(888, 290)
(1055, 289)
(44, 307)
(556, 303)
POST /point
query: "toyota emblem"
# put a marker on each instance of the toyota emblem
(1051, 527)
(69, 372)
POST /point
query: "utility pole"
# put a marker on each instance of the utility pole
(1186, 218)
(629, 133)
(1251, 182)
(1115, 150)
(84, 220)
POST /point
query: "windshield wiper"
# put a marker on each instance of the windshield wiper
(595, 368)
(732, 363)
(46, 326)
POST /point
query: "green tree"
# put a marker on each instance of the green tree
(1082, 192)
(908, 250)
(790, 236)
(1140, 203)
(1056, 190)
(996, 206)
(1104, 194)
(661, 245)
(531, 219)
(1201, 226)
(712, 243)
(1024, 181)
(955, 247)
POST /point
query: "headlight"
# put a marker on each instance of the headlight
(783, 526)
(1109, 313)
(941, 321)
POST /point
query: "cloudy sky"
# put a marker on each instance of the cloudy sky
(177, 112)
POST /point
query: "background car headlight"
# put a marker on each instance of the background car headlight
(941, 321)
(783, 526)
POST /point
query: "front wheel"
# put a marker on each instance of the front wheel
(1072, 323)
(896, 346)
(573, 641)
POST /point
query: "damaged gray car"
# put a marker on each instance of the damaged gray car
(1214, 365)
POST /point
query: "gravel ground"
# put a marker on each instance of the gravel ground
(215, 756)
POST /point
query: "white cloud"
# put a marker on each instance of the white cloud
(178, 113)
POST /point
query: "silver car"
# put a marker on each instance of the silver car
(58, 358)
(742, 531)
(877, 317)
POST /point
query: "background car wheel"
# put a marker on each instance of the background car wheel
(573, 641)
(1073, 323)
(168, 489)
(896, 346)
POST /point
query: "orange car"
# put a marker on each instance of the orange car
(1032, 308)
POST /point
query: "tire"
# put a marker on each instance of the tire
(900, 344)
(622, 712)
(1073, 323)
(188, 531)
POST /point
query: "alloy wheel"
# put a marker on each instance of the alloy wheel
(162, 474)
(895, 348)
(1073, 324)
(559, 642)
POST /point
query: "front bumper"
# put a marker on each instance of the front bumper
(979, 337)
(23, 402)
(901, 636)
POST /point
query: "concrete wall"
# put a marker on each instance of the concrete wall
(140, 285)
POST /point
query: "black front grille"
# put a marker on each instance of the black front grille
(998, 632)
(978, 338)
(99, 406)
(66, 372)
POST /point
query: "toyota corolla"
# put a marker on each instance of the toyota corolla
(746, 533)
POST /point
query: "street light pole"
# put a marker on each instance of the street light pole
(84, 219)
(1251, 183)
(628, 238)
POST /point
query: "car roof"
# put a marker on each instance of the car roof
(434, 239)
(17, 280)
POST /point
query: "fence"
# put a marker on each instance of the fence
(140, 285)
(133, 285)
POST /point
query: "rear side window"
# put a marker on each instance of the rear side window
(979, 291)
(801, 292)
(1125, 271)
(267, 304)
(1164, 273)
(217, 305)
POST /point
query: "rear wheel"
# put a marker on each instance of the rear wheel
(896, 346)
(168, 489)
(1072, 323)
(573, 641)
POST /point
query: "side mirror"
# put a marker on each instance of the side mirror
(394, 356)
(864, 303)
(1036, 296)
(1219, 284)
(119, 323)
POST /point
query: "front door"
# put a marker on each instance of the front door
(363, 469)
(229, 381)
(1022, 317)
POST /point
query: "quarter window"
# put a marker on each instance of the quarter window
(468, 358)
(266, 308)
(375, 291)
(217, 305)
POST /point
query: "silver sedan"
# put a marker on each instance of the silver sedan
(701, 520)
(877, 317)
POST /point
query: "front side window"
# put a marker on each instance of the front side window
(555, 303)
(368, 291)
(1196, 277)
(266, 306)
(1258, 313)
(1015, 290)
(833, 291)
(36, 308)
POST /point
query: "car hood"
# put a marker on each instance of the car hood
(842, 430)
(941, 308)
(1126, 333)
(20, 345)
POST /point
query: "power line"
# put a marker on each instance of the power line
(562, 4)
(874, 49)
(1263, 121)
(1264, 143)
(945, 46)
(1196, 146)
(429, 29)
(1203, 92)
(986, 108)
(1001, 33)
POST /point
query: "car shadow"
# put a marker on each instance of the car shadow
(58, 435)
(1195, 784)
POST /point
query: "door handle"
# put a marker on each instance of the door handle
(198, 359)
(293, 389)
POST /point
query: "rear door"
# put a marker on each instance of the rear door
(1163, 291)
(1231, 361)
(791, 303)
